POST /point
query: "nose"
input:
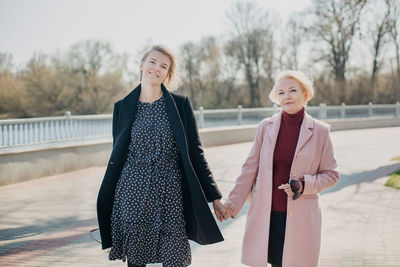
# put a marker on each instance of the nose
(158, 67)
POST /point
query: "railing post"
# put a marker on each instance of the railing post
(24, 134)
(67, 123)
(21, 134)
(370, 107)
(322, 111)
(397, 109)
(12, 134)
(15, 134)
(240, 115)
(343, 110)
(201, 117)
(9, 132)
(2, 143)
(35, 132)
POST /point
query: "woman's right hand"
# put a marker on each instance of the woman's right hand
(219, 209)
(229, 213)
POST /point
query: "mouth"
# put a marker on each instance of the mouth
(154, 74)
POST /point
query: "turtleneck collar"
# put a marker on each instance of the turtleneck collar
(296, 118)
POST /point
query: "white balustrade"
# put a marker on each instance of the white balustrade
(20, 132)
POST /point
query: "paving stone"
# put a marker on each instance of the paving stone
(45, 222)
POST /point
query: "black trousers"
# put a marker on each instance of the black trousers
(276, 241)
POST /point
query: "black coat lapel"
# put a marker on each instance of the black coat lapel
(129, 109)
(176, 121)
(128, 112)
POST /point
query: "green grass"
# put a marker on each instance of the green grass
(394, 180)
(395, 159)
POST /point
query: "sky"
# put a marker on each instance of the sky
(28, 26)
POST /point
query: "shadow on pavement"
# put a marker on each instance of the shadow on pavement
(57, 232)
(363, 177)
(40, 228)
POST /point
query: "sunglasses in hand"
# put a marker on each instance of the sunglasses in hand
(295, 187)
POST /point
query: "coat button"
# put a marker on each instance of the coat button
(111, 162)
(290, 213)
(298, 153)
(294, 173)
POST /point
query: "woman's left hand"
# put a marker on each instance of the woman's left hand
(219, 209)
(287, 189)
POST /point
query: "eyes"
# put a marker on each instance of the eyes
(292, 90)
(162, 66)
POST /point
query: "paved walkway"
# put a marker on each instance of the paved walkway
(45, 222)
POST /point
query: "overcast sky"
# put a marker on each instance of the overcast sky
(47, 25)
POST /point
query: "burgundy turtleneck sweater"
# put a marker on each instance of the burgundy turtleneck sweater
(283, 156)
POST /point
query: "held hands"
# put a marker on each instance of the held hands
(222, 211)
(219, 209)
(229, 211)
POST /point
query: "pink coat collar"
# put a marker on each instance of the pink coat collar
(306, 129)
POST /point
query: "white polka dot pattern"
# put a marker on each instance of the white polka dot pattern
(147, 220)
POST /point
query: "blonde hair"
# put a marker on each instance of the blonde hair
(304, 81)
(173, 78)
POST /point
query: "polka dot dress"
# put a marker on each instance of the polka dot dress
(147, 219)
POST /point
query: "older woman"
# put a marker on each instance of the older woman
(155, 190)
(291, 161)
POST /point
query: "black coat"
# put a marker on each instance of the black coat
(198, 183)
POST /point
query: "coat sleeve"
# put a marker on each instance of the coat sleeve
(198, 160)
(248, 174)
(115, 121)
(327, 175)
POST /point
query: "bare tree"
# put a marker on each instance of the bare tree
(394, 21)
(251, 44)
(377, 30)
(191, 54)
(216, 86)
(85, 81)
(40, 83)
(209, 76)
(11, 90)
(6, 62)
(335, 24)
(293, 38)
(98, 75)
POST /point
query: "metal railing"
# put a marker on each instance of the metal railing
(23, 132)
(242, 116)
(19, 132)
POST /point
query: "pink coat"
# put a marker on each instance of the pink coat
(315, 161)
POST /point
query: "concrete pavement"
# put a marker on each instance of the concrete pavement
(45, 222)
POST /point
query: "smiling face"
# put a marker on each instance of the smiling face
(290, 95)
(155, 68)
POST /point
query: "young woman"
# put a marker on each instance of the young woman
(155, 190)
(291, 161)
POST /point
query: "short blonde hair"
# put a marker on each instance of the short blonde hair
(173, 77)
(305, 82)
